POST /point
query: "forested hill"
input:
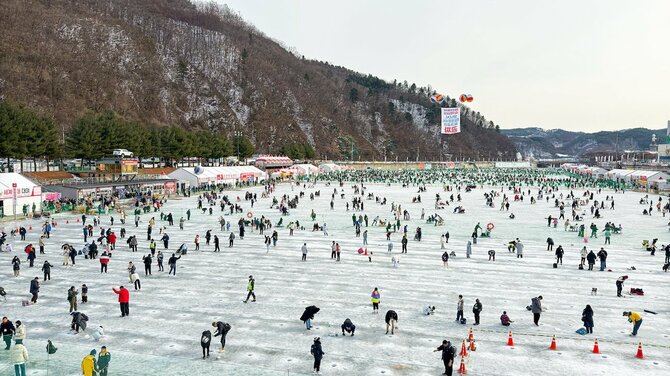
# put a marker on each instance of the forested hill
(201, 67)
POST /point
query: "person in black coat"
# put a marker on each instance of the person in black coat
(46, 268)
(216, 244)
(317, 351)
(7, 330)
(73, 254)
(391, 320)
(476, 310)
(349, 327)
(147, 264)
(222, 329)
(34, 289)
(308, 316)
(165, 240)
(172, 262)
(448, 353)
(78, 321)
(587, 318)
(591, 258)
(559, 255)
(205, 340)
(31, 255)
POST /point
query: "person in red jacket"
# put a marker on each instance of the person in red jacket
(112, 240)
(124, 298)
(104, 260)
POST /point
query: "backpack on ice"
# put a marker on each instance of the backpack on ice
(636, 291)
(555, 265)
(463, 321)
(51, 349)
(580, 267)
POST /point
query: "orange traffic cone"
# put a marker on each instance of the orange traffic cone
(471, 336)
(472, 345)
(553, 344)
(510, 340)
(366, 252)
(596, 349)
(30, 228)
(639, 354)
(464, 351)
(67, 221)
(462, 369)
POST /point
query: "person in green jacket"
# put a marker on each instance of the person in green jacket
(608, 234)
(103, 361)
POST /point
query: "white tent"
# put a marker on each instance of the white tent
(329, 167)
(16, 191)
(305, 169)
(618, 174)
(198, 176)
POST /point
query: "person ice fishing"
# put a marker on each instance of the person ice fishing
(308, 315)
(375, 297)
(205, 340)
(619, 285)
(587, 318)
(559, 254)
(88, 364)
(19, 356)
(591, 258)
(222, 329)
(7, 330)
(317, 352)
(550, 244)
(536, 308)
(448, 353)
(251, 285)
(172, 262)
(391, 320)
(124, 300)
(348, 327)
(602, 255)
(636, 319)
(104, 357)
(476, 310)
(445, 259)
(504, 319)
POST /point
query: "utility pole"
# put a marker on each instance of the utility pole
(238, 134)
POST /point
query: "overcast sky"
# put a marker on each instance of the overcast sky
(573, 64)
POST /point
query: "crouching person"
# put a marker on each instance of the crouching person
(348, 327)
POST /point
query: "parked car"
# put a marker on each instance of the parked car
(122, 152)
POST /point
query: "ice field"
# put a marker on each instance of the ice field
(161, 335)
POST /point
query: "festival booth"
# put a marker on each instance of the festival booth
(122, 188)
(18, 195)
(203, 176)
(272, 162)
(659, 183)
(641, 179)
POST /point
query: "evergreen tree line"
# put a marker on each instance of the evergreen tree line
(26, 134)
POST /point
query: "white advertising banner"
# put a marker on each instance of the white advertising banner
(451, 120)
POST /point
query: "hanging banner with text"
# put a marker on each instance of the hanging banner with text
(451, 120)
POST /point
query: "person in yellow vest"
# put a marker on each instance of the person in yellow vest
(636, 319)
(88, 365)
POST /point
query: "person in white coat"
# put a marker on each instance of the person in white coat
(19, 356)
(98, 333)
(583, 254)
(20, 333)
(519, 249)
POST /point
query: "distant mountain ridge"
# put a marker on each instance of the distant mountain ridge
(554, 143)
